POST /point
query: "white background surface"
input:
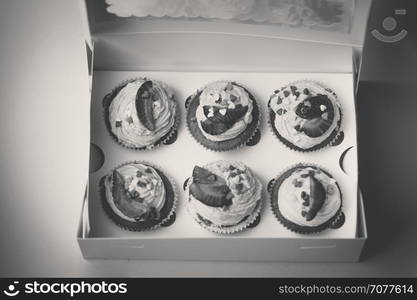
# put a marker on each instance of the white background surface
(44, 164)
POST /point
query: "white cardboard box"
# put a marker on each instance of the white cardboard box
(258, 55)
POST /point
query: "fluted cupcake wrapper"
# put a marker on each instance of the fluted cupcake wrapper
(251, 220)
(164, 140)
(292, 226)
(243, 142)
(231, 229)
(111, 214)
(331, 140)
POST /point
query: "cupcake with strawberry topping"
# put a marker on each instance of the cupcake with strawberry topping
(305, 115)
(223, 116)
(138, 196)
(306, 199)
(141, 114)
(224, 196)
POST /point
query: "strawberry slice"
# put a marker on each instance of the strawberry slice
(221, 119)
(316, 198)
(210, 189)
(319, 114)
(144, 105)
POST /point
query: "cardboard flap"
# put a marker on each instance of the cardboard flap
(331, 21)
(191, 52)
(125, 40)
(89, 46)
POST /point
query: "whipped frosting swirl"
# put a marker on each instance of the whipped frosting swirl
(124, 120)
(246, 190)
(284, 105)
(221, 90)
(144, 187)
(290, 202)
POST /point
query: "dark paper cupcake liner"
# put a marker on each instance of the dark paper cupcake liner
(167, 211)
(273, 188)
(169, 138)
(241, 140)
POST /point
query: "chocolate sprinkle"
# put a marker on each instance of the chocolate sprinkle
(129, 120)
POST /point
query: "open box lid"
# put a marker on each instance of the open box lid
(225, 35)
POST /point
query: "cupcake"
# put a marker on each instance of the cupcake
(138, 196)
(224, 196)
(223, 116)
(305, 115)
(141, 114)
(306, 199)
